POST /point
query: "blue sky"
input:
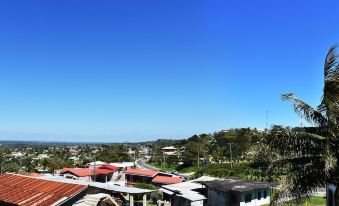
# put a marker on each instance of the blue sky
(119, 71)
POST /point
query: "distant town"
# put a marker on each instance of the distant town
(205, 169)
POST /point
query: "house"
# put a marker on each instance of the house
(100, 174)
(169, 150)
(237, 192)
(26, 191)
(77, 173)
(134, 176)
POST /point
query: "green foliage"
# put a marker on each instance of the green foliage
(145, 186)
(114, 153)
(155, 196)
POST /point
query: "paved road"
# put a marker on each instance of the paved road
(141, 163)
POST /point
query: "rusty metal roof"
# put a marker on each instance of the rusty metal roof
(29, 191)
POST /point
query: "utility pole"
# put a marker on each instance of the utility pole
(95, 162)
(230, 144)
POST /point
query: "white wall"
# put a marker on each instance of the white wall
(197, 203)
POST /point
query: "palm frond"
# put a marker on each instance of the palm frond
(330, 101)
(331, 64)
(306, 111)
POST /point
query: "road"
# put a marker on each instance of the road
(141, 163)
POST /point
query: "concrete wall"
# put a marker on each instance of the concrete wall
(197, 203)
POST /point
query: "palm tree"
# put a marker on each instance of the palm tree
(310, 155)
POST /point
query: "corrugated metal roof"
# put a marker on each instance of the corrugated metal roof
(111, 186)
(28, 191)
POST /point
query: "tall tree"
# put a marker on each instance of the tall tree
(310, 156)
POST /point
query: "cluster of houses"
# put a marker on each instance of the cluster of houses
(100, 183)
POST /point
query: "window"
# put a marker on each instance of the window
(248, 197)
(265, 194)
(233, 198)
(259, 195)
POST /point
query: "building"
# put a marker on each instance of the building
(236, 192)
(100, 174)
(169, 150)
(134, 176)
(27, 191)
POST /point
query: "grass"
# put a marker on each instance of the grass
(313, 201)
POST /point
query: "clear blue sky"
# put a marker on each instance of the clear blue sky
(140, 70)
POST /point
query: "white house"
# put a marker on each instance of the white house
(236, 192)
(169, 150)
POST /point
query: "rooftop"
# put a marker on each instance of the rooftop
(111, 186)
(167, 180)
(79, 172)
(26, 191)
(185, 190)
(109, 167)
(122, 164)
(236, 185)
(147, 173)
(169, 147)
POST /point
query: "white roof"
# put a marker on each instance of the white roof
(96, 163)
(122, 164)
(183, 186)
(166, 191)
(112, 187)
(186, 190)
(170, 147)
(107, 186)
(204, 179)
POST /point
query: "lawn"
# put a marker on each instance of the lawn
(313, 201)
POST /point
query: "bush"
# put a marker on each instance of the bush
(145, 186)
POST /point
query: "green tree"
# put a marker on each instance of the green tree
(310, 156)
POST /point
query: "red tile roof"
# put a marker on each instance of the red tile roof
(167, 180)
(109, 167)
(28, 191)
(103, 171)
(79, 172)
(148, 173)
